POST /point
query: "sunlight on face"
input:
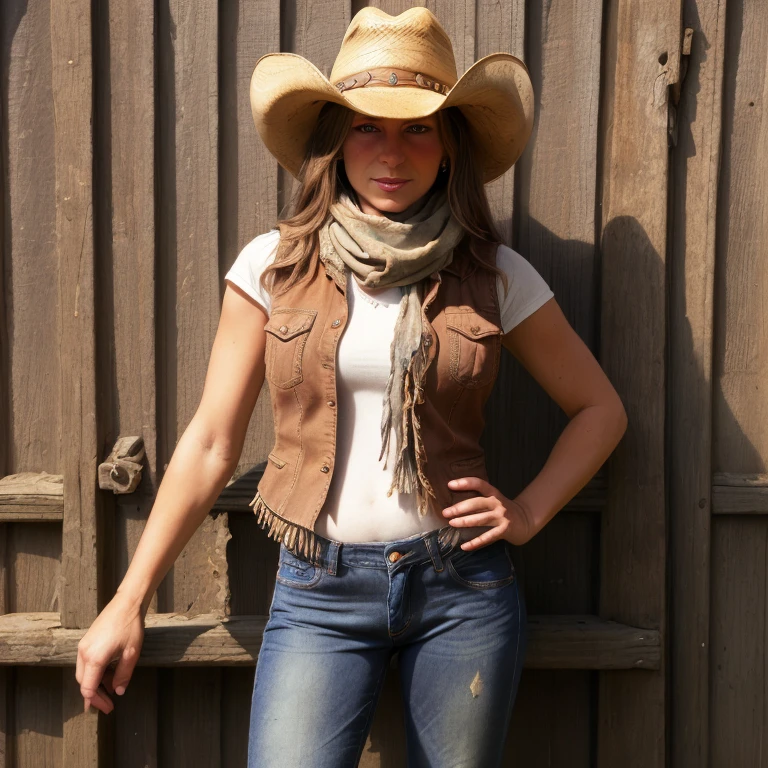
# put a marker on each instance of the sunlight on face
(408, 152)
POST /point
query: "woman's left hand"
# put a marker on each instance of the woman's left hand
(510, 520)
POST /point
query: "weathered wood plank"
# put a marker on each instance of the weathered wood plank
(136, 723)
(741, 290)
(501, 27)
(30, 496)
(556, 642)
(739, 500)
(738, 711)
(188, 223)
(695, 160)
(37, 718)
(83, 590)
(127, 246)
(73, 97)
(32, 357)
(248, 173)
(190, 719)
(33, 554)
(549, 733)
(642, 50)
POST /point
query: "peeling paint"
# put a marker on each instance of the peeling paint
(476, 686)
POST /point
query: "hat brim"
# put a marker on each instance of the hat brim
(495, 94)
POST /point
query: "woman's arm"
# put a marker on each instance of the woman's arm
(554, 354)
(203, 461)
(208, 451)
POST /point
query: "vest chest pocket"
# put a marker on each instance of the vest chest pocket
(287, 333)
(475, 346)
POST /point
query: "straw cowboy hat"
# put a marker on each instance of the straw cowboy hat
(394, 66)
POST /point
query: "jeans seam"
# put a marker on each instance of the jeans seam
(369, 718)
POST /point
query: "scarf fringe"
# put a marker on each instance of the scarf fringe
(297, 539)
(408, 474)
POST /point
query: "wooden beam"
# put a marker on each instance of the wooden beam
(82, 591)
(695, 169)
(555, 642)
(641, 61)
(735, 500)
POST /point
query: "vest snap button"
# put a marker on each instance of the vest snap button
(394, 557)
(325, 468)
(335, 323)
(475, 329)
(283, 329)
(331, 403)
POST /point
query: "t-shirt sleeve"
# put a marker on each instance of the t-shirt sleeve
(251, 262)
(527, 288)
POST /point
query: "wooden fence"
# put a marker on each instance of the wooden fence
(132, 176)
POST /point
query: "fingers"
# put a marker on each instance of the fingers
(124, 671)
(483, 540)
(476, 504)
(99, 700)
(471, 484)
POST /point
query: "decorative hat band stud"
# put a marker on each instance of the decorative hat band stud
(387, 76)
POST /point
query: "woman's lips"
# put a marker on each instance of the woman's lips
(390, 186)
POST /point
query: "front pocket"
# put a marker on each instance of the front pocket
(295, 572)
(489, 567)
(287, 333)
(475, 347)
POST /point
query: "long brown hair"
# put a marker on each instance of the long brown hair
(322, 176)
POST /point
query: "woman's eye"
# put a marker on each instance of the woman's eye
(362, 127)
(425, 128)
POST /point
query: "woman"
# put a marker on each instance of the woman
(377, 311)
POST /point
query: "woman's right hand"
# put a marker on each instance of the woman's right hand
(117, 634)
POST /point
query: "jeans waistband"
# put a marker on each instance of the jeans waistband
(421, 547)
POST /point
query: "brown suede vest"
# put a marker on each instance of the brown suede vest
(462, 323)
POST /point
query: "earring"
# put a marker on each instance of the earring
(444, 166)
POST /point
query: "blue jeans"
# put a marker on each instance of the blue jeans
(456, 619)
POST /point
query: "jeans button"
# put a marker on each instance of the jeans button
(394, 557)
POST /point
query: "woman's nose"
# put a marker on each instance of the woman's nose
(391, 153)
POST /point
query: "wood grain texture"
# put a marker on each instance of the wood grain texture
(555, 642)
(695, 166)
(741, 285)
(738, 642)
(31, 304)
(83, 588)
(38, 721)
(188, 271)
(641, 61)
(190, 718)
(248, 174)
(136, 724)
(126, 238)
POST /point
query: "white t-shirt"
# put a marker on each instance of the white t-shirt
(357, 508)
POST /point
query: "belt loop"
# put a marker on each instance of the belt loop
(434, 551)
(333, 556)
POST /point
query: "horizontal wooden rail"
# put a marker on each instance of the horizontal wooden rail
(31, 497)
(39, 497)
(555, 642)
(734, 494)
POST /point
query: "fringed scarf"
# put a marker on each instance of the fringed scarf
(384, 252)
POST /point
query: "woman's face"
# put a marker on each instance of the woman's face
(407, 152)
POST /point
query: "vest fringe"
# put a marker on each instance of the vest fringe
(297, 539)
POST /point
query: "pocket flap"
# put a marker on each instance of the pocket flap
(287, 323)
(470, 324)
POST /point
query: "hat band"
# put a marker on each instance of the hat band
(386, 76)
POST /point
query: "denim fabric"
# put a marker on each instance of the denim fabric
(456, 619)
